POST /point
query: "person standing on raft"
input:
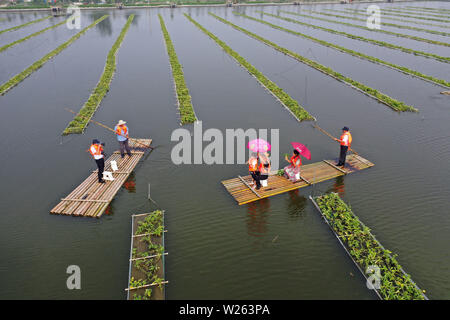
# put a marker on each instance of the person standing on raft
(96, 151)
(346, 142)
(293, 168)
(253, 166)
(122, 136)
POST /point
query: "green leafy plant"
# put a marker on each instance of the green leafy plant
(81, 120)
(280, 172)
(366, 250)
(409, 11)
(9, 45)
(372, 41)
(299, 112)
(405, 70)
(182, 92)
(404, 15)
(25, 24)
(38, 64)
(375, 94)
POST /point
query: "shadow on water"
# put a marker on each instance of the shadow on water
(296, 204)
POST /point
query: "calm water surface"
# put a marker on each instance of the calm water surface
(277, 248)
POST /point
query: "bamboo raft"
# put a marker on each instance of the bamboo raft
(90, 198)
(312, 173)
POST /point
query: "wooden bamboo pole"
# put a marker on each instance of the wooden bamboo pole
(332, 137)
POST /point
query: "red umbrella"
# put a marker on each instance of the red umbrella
(259, 145)
(302, 149)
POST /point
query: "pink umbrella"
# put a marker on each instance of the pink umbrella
(259, 145)
(302, 149)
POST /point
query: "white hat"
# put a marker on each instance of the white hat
(121, 122)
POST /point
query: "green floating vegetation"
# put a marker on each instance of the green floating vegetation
(81, 120)
(429, 9)
(38, 64)
(427, 14)
(399, 26)
(150, 231)
(440, 82)
(9, 45)
(372, 41)
(25, 24)
(373, 93)
(402, 15)
(183, 97)
(366, 251)
(422, 23)
(298, 111)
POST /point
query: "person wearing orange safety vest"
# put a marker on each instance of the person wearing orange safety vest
(122, 136)
(253, 166)
(263, 168)
(96, 151)
(346, 142)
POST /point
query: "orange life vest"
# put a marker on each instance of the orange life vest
(124, 129)
(98, 150)
(252, 164)
(294, 159)
(349, 141)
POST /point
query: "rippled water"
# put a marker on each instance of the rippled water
(277, 248)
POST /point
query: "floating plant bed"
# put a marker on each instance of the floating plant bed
(399, 26)
(404, 70)
(38, 64)
(146, 271)
(79, 123)
(290, 104)
(365, 250)
(402, 15)
(401, 35)
(25, 24)
(429, 9)
(395, 19)
(373, 93)
(372, 41)
(9, 45)
(184, 100)
(426, 14)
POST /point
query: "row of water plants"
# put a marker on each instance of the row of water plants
(81, 120)
(25, 24)
(9, 45)
(422, 23)
(405, 70)
(366, 251)
(403, 15)
(429, 9)
(426, 14)
(38, 64)
(292, 105)
(399, 26)
(353, 36)
(187, 113)
(381, 97)
(148, 232)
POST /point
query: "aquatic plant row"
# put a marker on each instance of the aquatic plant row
(366, 251)
(292, 105)
(9, 45)
(422, 23)
(373, 93)
(399, 26)
(426, 14)
(184, 99)
(25, 24)
(372, 41)
(79, 123)
(405, 70)
(38, 64)
(148, 230)
(402, 15)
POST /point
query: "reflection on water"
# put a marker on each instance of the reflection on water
(339, 186)
(130, 184)
(109, 210)
(296, 203)
(257, 216)
(105, 26)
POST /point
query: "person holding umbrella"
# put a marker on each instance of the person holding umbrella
(253, 166)
(346, 142)
(292, 171)
(261, 147)
(264, 168)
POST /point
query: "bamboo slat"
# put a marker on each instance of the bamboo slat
(310, 174)
(91, 198)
